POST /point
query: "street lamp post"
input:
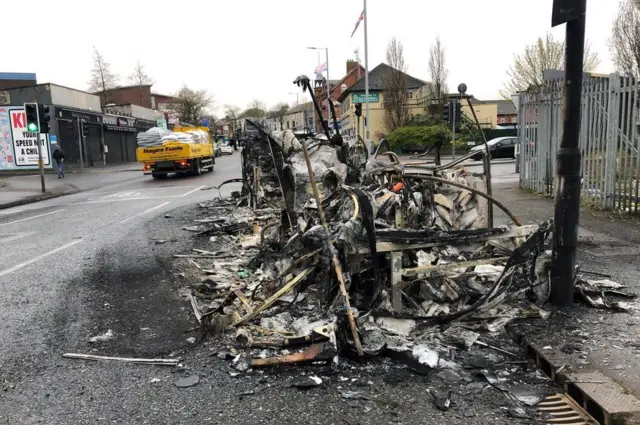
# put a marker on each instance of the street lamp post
(326, 50)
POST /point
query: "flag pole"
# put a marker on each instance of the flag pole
(366, 78)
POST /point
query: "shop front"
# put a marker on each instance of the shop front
(119, 138)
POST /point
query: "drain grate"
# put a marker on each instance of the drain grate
(559, 409)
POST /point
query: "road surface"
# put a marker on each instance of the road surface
(99, 261)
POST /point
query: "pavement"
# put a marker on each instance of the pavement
(100, 260)
(27, 188)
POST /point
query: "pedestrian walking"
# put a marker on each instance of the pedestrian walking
(58, 155)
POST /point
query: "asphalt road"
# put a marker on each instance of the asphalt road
(85, 264)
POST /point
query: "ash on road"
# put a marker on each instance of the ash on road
(88, 263)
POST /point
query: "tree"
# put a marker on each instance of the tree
(395, 93)
(102, 79)
(257, 104)
(192, 104)
(278, 113)
(232, 114)
(528, 68)
(625, 38)
(438, 72)
(140, 78)
(255, 109)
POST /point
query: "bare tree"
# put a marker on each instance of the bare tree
(232, 114)
(255, 109)
(528, 68)
(257, 104)
(192, 104)
(140, 78)
(395, 93)
(102, 79)
(625, 38)
(278, 112)
(438, 72)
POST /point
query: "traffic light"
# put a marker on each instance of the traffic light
(85, 130)
(446, 113)
(457, 112)
(44, 112)
(358, 109)
(31, 112)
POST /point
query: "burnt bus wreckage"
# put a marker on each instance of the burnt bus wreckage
(346, 253)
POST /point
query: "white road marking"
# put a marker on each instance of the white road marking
(39, 257)
(15, 236)
(31, 218)
(143, 212)
(194, 190)
(138, 195)
(11, 211)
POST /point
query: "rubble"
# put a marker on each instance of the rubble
(327, 253)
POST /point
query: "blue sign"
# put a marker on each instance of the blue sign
(53, 138)
(205, 123)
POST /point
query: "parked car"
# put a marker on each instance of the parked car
(500, 147)
(226, 149)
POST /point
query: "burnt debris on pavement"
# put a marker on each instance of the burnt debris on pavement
(329, 253)
(366, 257)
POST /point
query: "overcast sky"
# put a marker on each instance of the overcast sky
(245, 49)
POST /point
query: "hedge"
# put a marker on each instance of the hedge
(423, 136)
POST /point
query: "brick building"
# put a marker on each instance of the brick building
(10, 80)
(127, 95)
(354, 72)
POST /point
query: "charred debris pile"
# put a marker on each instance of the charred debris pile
(327, 252)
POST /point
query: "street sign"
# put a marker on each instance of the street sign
(567, 10)
(361, 98)
(25, 147)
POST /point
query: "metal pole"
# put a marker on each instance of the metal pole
(40, 161)
(367, 123)
(567, 197)
(328, 86)
(453, 130)
(80, 144)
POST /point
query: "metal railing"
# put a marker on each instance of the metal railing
(609, 140)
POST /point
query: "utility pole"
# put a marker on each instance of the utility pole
(567, 196)
(453, 129)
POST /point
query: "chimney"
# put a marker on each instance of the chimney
(351, 64)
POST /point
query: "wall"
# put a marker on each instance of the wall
(71, 98)
(40, 94)
(377, 125)
(135, 95)
(487, 113)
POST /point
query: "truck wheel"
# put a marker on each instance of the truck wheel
(197, 167)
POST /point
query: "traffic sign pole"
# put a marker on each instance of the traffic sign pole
(40, 161)
(453, 129)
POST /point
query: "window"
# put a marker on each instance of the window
(410, 95)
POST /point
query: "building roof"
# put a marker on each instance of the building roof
(377, 77)
(26, 76)
(307, 106)
(505, 107)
